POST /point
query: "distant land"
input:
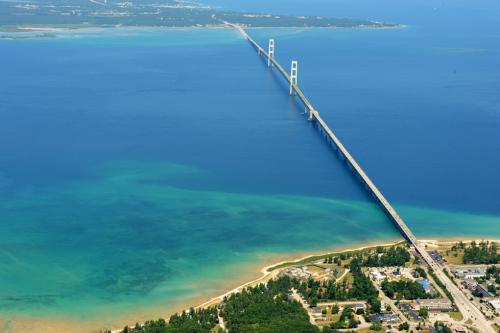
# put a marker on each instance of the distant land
(29, 15)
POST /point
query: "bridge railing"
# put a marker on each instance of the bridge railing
(314, 115)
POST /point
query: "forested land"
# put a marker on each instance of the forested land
(405, 289)
(393, 256)
(482, 253)
(261, 309)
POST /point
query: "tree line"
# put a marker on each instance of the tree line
(266, 308)
(393, 256)
(482, 253)
(192, 321)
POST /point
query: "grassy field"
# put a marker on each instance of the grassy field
(328, 318)
(348, 279)
(452, 257)
(456, 315)
(315, 269)
(321, 257)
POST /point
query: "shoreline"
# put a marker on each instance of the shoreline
(272, 270)
(47, 28)
(269, 267)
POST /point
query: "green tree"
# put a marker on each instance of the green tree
(424, 312)
(376, 326)
(376, 305)
(404, 326)
(482, 253)
(420, 272)
(492, 289)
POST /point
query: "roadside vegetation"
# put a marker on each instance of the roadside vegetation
(475, 253)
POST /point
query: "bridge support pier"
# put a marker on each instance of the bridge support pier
(311, 114)
(293, 75)
(270, 52)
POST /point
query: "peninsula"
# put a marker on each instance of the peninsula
(20, 15)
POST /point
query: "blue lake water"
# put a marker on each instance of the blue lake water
(141, 167)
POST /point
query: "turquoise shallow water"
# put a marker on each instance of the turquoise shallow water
(144, 240)
(139, 167)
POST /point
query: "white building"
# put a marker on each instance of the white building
(377, 276)
(434, 304)
(495, 303)
(465, 272)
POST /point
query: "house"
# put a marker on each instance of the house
(474, 274)
(301, 273)
(405, 306)
(436, 304)
(356, 307)
(377, 276)
(390, 318)
(470, 284)
(465, 272)
(414, 315)
(317, 311)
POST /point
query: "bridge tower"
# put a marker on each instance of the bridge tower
(270, 52)
(293, 75)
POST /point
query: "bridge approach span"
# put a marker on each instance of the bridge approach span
(466, 307)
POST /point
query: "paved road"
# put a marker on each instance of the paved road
(466, 307)
(469, 311)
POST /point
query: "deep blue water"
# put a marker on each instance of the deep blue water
(133, 161)
(417, 106)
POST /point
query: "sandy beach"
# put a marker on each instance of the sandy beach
(251, 275)
(271, 270)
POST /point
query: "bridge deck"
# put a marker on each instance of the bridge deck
(390, 211)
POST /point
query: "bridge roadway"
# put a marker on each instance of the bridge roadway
(466, 307)
(314, 115)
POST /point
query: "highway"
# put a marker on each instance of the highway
(466, 307)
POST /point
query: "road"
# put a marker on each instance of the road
(469, 311)
(466, 307)
(483, 307)
(305, 305)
